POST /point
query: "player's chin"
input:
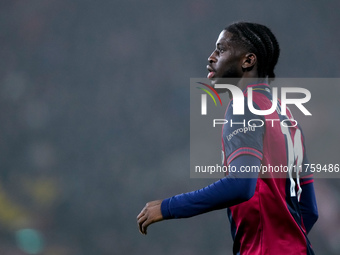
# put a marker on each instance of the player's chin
(215, 82)
(224, 80)
(212, 82)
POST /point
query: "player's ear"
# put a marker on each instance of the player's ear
(249, 61)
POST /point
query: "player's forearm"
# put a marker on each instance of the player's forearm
(226, 192)
(212, 197)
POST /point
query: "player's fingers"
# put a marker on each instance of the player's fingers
(140, 224)
(145, 226)
(142, 212)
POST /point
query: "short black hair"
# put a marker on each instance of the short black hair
(260, 40)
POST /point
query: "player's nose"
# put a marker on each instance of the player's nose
(212, 58)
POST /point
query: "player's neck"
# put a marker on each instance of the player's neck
(245, 81)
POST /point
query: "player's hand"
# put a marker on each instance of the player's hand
(151, 213)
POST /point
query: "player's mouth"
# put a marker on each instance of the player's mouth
(211, 73)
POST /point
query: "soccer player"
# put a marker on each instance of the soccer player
(268, 215)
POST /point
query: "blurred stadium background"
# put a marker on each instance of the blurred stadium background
(94, 118)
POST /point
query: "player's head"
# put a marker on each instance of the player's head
(244, 49)
(259, 40)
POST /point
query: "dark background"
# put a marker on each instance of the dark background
(94, 118)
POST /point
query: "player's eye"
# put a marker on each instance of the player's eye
(220, 50)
